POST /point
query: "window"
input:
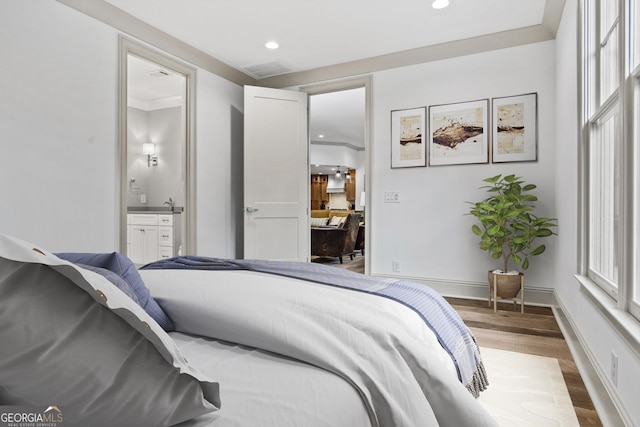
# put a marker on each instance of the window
(607, 49)
(603, 229)
(634, 35)
(610, 145)
(634, 306)
(634, 133)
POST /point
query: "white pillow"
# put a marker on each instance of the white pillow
(73, 339)
(338, 220)
(319, 222)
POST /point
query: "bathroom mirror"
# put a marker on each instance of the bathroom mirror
(156, 154)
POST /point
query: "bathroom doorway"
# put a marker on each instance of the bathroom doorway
(156, 132)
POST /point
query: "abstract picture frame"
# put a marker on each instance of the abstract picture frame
(408, 138)
(459, 133)
(515, 128)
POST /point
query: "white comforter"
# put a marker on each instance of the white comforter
(262, 389)
(382, 348)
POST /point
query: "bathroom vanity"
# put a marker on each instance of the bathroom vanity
(153, 233)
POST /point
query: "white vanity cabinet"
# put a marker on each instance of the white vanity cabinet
(165, 236)
(143, 232)
(152, 236)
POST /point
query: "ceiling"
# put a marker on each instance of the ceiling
(338, 118)
(327, 39)
(313, 34)
(148, 82)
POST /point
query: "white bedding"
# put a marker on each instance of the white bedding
(267, 390)
(384, 350)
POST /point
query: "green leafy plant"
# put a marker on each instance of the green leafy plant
(508, 226)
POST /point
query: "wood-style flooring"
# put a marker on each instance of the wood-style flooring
(534, 332)
(356, 264)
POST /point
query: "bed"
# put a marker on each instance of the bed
(201, 342)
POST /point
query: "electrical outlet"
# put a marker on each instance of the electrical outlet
(391, 197)
(396, 266)
(614, 368)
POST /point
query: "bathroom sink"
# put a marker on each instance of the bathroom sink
(155, 209)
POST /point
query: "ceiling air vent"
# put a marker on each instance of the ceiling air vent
(260, 71)
(159, 73)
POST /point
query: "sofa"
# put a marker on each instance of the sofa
(333, 217)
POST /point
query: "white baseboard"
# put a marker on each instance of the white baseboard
(609, 409)
(477, 290)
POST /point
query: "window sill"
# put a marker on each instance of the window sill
(626, 325)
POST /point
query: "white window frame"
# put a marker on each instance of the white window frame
(625, 98)
(633, 132)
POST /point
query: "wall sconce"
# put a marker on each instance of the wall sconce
(149, 149)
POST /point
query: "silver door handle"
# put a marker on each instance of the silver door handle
(249, 209)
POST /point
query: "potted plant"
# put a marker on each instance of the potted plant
(509, 227)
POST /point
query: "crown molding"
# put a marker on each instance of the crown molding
(117, 18)
(470, 46)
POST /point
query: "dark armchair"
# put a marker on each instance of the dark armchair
(336, 242)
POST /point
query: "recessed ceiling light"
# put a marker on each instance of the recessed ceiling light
(321, 136)
(271, 45)
(440, 4)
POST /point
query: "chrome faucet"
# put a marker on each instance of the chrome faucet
(169, 202)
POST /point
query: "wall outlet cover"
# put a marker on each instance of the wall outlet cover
(392, 197)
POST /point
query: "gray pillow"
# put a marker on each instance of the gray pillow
(70, 338)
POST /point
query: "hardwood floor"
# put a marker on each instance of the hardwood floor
(356, 264)
(534, 332)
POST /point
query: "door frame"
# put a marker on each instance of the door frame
(346, 84)
(128, 47)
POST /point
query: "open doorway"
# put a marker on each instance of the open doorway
(156, 143)
(338, 135)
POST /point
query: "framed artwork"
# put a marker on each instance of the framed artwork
(458, 133)
(408, 138)
(515, 128)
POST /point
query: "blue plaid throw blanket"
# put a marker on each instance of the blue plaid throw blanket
(439, 316)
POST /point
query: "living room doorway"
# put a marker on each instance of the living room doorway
(338, 137)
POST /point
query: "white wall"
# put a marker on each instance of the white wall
(157, 183)
(427, 231)
(219, 169)
(58, 152)
(165, 180)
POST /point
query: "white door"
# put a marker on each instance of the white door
(276, 175)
